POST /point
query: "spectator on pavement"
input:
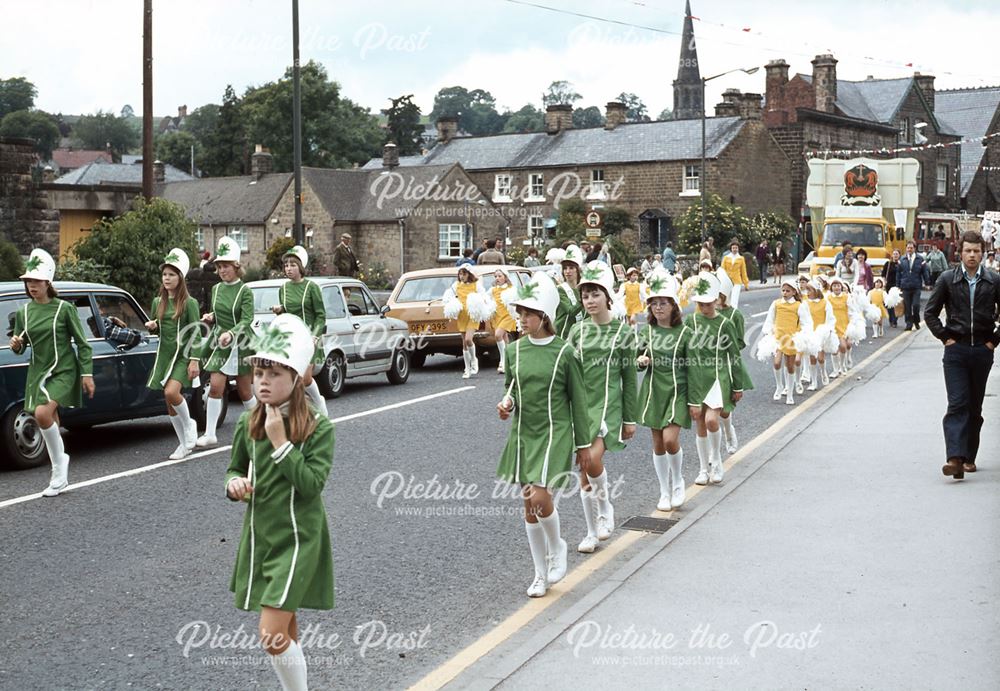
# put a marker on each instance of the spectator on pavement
(991, 261)
(844, 246)
(912, 275)
(479, 250)
(646, 266)
(532, 258)
(656, 264)
(970, 295)
(892, 281)
(735, 265)
(778, 259)
(864, 276)
(763, 254)
(344, 261)
(707, 249)
(589, 254)
(466, 258)
(937, 264)
(490, 255)
(847, 268)
(603, 255)
(669, 258)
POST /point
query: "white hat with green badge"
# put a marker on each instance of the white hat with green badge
(661, 284)
(706, 289)
(227, 250)
(599, 274)
(39, 267)
(574, 254)
(539, 294)
(178, 259)
(299, 252)
(285, 340)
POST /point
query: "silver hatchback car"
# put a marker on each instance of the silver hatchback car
(359, 340)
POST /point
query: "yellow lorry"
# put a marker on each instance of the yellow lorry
(868, 202)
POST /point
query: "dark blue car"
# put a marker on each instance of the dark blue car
(120, 372)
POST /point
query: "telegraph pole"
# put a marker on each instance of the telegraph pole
(297, 125)
(147, 99)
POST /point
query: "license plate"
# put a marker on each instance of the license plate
(429, 327)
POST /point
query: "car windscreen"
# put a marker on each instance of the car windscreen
(8, 306)
(858, 234)
(424, 289)
(264, 299)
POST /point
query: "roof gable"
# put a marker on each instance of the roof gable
(969, 112)
(228, 201)
(98, 173)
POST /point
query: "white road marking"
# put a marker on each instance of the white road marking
(221, 449)
(759, 314)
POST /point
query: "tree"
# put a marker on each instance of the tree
(201, 122)
(224, 137)
(276, 252)
(572, 226)
(527, 119)
(404, 128)
(725, 221)
(560, 93)
(136, 242)
(32, 124)
(16, 93)
(175, 148)
(666, 114)
(476, 109)
(588, 117)
(635, 109)
(101, 129)
(11, 265)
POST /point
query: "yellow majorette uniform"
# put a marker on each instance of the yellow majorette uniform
(877, 297)
(784, 319)
(462, 291)
(502, 318)
(840, 305)
(635, 297)
(735, 267)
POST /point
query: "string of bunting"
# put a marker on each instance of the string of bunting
(897, 150)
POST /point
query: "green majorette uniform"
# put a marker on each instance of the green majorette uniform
(232, 304)
(305, 300)
(55, 370)
(284, 559)
(713, 355)
(739, 321)
(173, 356)
(549, 421)
(569, 310)
(663, 393)
(607, 355)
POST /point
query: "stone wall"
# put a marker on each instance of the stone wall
(25, 218)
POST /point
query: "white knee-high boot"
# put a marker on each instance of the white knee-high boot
(589, 501)
(729, 432)
(704, 451)
(468, 364)
(790, 383)
(213, 409)
(59, 478)
(605, 511)
(779, 384)
(290, 667)
(715, 458)
(663, 475)
(536, 543)
(473, 360)
(182, 450)
(676, 462)
(502, 347)
(189, 425)
(555, 547)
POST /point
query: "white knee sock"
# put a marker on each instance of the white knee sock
(250, 404)
(676, 463)
(715, 446)
(662, 473)
(704, 451)
(536, 543)
(465, 360)
(589, 507)
(727, 426)
(789, 382)
(600, 487)
(312, 391)
(778, 381)
(550, 526)
(179, 429)
(502, 347)
(53, 444)
(213, 409)
(183, 413)
(290, 667)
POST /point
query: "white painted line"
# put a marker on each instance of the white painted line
(759, 314)
(220, 449)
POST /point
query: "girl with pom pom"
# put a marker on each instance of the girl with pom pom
(876, 296)
(502, 324)
(788, 322)
(844, 312)
(467, 303)
(824, 336)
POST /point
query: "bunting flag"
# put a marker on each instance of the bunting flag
(896, 150)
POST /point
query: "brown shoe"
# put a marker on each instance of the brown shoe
(954, 468)
(969, 467)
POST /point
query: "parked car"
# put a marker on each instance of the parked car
(553, 270)
(359, 340)
(120, 374)
(417, 299)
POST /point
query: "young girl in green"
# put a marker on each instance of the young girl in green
(663, 394)
(303, 298)
(56, 374)
(570, 308)
(546, 399)
(226, 347)
(176, 362)
(606, 349)
(715, 379)
(281, 458)
(728, 307)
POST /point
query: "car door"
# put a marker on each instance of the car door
(339, 326)
(371, 332)
(135, 363)
(107, 401)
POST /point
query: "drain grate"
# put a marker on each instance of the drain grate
(646, 524)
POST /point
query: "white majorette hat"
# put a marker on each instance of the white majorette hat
(791, 283)
(836, 279)
(660, 284)
(706, 289)
(40, 266)
(555, 255)
(287, 341)
(539, 294)
(727, 289)
(228, 250)
(178, 259)
(574, 254)
(299, 252)
(599, 274)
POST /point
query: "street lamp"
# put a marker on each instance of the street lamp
(703, 182)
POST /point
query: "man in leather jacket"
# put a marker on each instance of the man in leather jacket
(970, 294)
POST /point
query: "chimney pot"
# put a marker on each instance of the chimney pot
(159, 172)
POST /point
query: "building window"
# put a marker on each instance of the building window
(920, 178)
(501, 188)
(309, 239)
(239, 236)
(537, 186)
(905, 130)
(598, 189)
(942, 180)
(692, 179)
(199, 238)
(536, 227)
(451, 240)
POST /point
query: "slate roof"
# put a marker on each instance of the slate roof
(116, 173)
(74, 158)
(347, 195)
(665, 140)
(968, 112)
(227, 201)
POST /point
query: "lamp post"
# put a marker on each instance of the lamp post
(703, 182)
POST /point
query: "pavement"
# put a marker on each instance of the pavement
(834, 555)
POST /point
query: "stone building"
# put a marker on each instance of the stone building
(975, 113)
(25, 218)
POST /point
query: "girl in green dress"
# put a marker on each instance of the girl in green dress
(281, 458)
(227, 345)
(56, 374)
(606, 349)
(715, 379)
(570, 308)
(176, 363)
(546, 401)
(728, 307)
(303, 298)
(663, 394)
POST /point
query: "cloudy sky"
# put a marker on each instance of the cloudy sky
(85, 55)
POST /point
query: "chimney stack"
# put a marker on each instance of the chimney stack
(825, 82)
(447, 127)
(726, 109)
(615, 114)
(749, 106)
(390, 156)
(182, 111)
(159, 172)
(558, 118)
(925, 83)
(261, 163)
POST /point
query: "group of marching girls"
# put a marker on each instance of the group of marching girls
(571, 388)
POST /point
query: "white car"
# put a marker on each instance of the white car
(359, 340)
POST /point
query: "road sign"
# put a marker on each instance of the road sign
(593, 220)
(593, 232)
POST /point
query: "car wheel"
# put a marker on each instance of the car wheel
(23, 440)
(399, 369)
(331, 377)
(418, 358)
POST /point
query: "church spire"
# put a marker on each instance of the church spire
(688, 101)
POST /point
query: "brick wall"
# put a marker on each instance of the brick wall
(25, 219)
(784, 99)
(913, 107)
(314, 218)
